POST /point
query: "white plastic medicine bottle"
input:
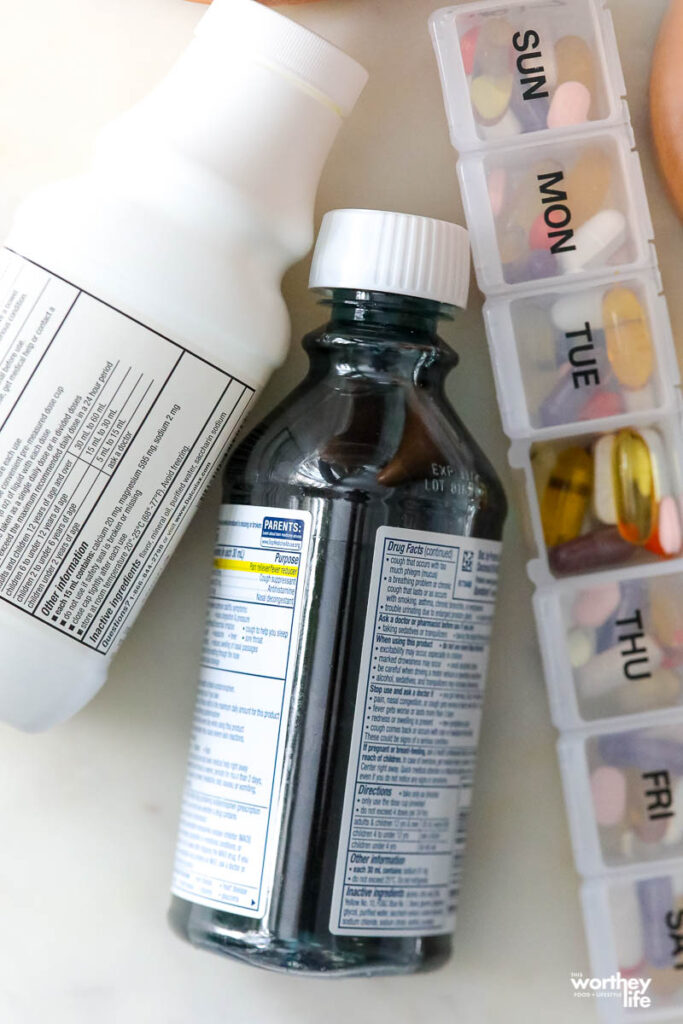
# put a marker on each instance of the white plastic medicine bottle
(140, 312)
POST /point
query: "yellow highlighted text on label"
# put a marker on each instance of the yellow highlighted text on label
(262, 568)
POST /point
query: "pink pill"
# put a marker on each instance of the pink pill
(608, 786)
(669, 526)
(497, 181)
(468, 46)
(593, 607)
(538, 234)
(570, 105)
(603, 403)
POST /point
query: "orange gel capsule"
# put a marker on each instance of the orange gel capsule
(575, 62)
(588, 185)
(566, 495)
(633, 477)
(628, 339)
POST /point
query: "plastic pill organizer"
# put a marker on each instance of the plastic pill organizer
(588, 385)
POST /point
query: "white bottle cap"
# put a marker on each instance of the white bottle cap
(288, 48)
(370, 250)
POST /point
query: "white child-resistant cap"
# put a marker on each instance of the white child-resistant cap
(288, 47)
(372, 250)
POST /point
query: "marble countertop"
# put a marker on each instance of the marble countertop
(88, 812)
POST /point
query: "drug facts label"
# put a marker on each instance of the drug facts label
(415, 732)
(109, 435)
(229, 826)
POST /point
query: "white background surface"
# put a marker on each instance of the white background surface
(88, 812)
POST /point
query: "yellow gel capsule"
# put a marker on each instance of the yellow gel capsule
(566, 495)
(588, 185)
(575, 62)
(491, 97)
(634, 487)
(628, 339)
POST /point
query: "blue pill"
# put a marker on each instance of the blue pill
(656, 900)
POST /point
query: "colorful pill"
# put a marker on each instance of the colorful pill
(626, 926)
(468, 46)
(656, 900)
(604, 501)
(490, 97)
(634, 602)
(565, 401)
(494, 54)
(497, 182)
(566, 496)
(608, 788)
(525, 202)
(595, 242)
(602, 404)
(588, 184)
(570, 105)
(629, 343)
(646, 750)
(634, 487)
(531, 113)
(593, 550)
(594, 606)
(618, 667)
(667, 538)
(661, 690)
(542, 264)
(666, 609)
(574, 62)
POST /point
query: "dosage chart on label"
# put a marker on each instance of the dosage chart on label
(415, 733)
(229, 827)
(100, 465)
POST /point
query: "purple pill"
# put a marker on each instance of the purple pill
(642, 750)
(564, 403)
(656, 900)
(532, 114)
(634, 602)
(542, 263)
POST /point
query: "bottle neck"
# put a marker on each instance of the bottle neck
(381, 336)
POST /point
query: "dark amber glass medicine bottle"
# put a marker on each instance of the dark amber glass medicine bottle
(354, 580)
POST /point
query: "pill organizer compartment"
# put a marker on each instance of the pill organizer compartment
(612, 645)
(562, 211)
(624, 793)
(602, 500)
(570, 355)
(531, 69)
(634, 928)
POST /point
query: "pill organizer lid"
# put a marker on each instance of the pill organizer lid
(584, 17)
(287, 45)
(374, 250)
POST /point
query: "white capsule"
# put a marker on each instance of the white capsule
(626, 925)
(573, 312)
(604, 503)
(595, 242)
(674, 831)
(618, 666)
(580, 646)
(507, 127)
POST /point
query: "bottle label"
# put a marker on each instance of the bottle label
(109, 435)
(415, 732)
(230, 819)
